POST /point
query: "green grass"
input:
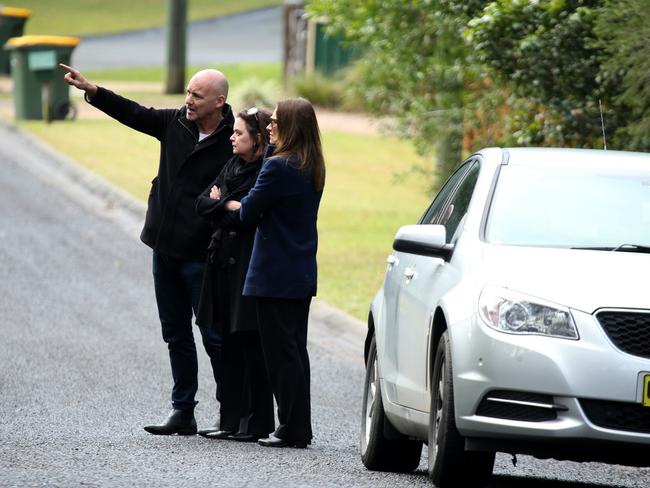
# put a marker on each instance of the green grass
(362, 207)
(258, 84)
(87, 17)
(236, 73)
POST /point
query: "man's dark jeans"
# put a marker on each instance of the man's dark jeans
(178, 288)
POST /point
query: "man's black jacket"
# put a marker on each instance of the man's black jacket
(186, 168)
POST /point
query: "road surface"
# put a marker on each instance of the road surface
(83, 367)
(251, 37)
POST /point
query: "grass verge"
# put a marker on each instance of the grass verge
(236, 73)
(252, 84)
(88, 17)
(362, 205)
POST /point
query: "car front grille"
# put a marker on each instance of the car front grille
(629, 331)
(632, 417)
(517, 405)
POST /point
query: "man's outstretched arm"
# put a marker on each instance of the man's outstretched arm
(147, 120)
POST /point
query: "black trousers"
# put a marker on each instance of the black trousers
(246, 396)
(178, 287)
(283, 330)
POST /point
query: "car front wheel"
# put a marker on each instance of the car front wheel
(380, 452)
(449, 463)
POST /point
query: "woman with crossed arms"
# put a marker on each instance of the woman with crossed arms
(282, 272)
(246, 399)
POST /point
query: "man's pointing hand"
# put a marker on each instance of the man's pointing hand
(74, 78)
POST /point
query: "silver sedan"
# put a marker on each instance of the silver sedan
(515, 317)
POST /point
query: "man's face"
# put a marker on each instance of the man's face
(202, 100)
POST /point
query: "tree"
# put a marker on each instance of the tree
(176, 46)
(624, 32)
(547, 54)
(413, 66)
(467, 74)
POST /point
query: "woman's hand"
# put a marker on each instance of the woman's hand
(232, 205)
(215, 193)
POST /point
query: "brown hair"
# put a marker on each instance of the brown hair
(298, 135)
(256, 121)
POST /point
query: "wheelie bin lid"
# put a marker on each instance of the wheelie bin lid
(29, 41)
(15, 12)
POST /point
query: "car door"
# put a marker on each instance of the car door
(394, 281)
(420, 289)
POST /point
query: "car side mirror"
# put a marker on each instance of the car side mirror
(423, 240)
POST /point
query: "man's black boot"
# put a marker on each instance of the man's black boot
(179, 422)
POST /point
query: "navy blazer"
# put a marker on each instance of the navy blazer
(284, 204)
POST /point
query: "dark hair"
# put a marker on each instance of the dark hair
(299, 136)
(256, 121)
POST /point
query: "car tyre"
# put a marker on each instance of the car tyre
(449, 463)
(379, 452)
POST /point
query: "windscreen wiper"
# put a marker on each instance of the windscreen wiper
(621, 248)
(594, 248)
(632, 248)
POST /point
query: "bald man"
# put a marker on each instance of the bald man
(194, 147)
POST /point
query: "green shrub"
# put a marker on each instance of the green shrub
(319, 90)
(340, 92)
(252, 92)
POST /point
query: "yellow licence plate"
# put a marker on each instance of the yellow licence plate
(646, 390)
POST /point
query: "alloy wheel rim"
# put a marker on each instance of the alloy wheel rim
(440, 398)
(370, 400)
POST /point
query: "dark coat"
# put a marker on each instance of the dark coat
(186, 166)
(229, 252)
(284, 204)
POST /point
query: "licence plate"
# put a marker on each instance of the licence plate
(646, 390)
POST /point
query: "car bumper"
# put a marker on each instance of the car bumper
(571, 373)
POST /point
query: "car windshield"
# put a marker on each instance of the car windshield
(567, 206)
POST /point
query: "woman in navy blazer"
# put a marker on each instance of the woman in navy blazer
(282, 271)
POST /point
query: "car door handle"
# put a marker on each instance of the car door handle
(409, 273)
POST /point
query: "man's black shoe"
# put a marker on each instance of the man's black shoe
(179, 422)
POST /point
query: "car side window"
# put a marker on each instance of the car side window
(454, 212)
(431, 216)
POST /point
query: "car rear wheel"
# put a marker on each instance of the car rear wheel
(380, 452)
(449, 463)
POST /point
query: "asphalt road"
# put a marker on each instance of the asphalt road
(250, 37)
(82, 365)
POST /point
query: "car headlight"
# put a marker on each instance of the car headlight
(508, 311)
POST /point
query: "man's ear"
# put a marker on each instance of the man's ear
(221, 101)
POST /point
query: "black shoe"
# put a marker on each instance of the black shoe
(247, 437)
(209, 430)
(273, 441)
(219, 434)
(179, 422)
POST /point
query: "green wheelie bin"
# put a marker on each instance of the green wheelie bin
(40, 92)
(12, 23)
